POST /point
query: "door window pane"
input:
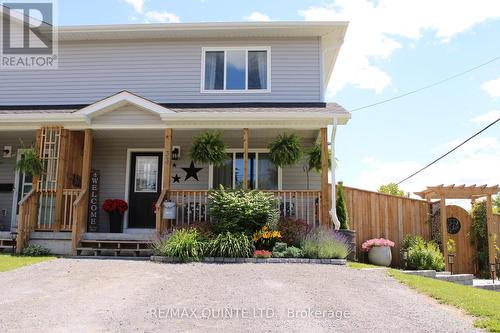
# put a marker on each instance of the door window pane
(239, 169)
(235, 70)
(257, 69)
(223, 175)
(146, 174)
(214, 70)
(268, 173)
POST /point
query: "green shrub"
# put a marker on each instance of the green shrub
(341, 207)
(241, 211)
(35, 250)
(325, 244)
(282, 250)
(408, 241)
(184, 244)
(422, 255)
(230, 245)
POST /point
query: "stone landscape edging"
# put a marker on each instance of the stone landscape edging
(220, 260)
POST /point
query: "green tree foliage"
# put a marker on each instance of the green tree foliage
(285, 150)
(479, 236)
(341, 207)
(391, 189)
(208, 148)
(496, 204)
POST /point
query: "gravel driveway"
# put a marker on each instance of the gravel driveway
(87, 295)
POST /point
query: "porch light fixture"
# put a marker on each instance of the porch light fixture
(13, 237)
(493, 268)
(176, 153)
(451, 260)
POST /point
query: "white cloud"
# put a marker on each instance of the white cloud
(475, 163)
(487, 117)
(137, 4)
(377, 29)
(162, 17)
(256, 16)
(492, 87)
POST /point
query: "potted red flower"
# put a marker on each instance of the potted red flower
(115, 208)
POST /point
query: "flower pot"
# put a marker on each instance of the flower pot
(115, 222)
(380, 255)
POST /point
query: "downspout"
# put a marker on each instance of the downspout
(333, 211)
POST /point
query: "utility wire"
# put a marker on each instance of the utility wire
(450, 151)
(427, 86)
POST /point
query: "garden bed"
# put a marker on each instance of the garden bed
(221, 260)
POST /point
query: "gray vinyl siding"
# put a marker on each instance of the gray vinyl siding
(167, 71)
(110, 158)
(7, 171)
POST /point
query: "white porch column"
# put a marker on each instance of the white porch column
(333, 211)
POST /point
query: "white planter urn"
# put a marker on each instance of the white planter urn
(380, 255)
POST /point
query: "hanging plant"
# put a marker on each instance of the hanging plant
(314, 158)
(285, 150)
(208, 148)
(30, 163)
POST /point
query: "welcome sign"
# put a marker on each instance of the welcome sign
(93, 220)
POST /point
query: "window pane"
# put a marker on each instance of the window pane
(146, 174)
(223, 175)
(268, 173)
(235, 70)
(257, 69)
(239, 170)
(214, 70)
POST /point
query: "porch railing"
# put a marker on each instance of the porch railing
(27, 219)
(192, 206)
(68, 211)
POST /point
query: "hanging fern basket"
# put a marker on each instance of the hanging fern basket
(30, 163)
(285, 150)
(209, 148)
(314, 158)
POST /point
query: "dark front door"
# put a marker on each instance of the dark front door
(145, 188)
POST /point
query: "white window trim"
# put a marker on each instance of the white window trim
(236, 48)
(234, 151)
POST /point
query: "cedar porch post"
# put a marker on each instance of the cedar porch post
(167, 162)
(444, 230)
(491, 235)
(82, 208)
(245, 158)
(325, 200)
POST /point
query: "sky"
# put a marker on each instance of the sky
(391, 47)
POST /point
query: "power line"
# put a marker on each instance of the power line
(450, 151)
(427, 86)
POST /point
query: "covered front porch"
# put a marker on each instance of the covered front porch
(125, 147)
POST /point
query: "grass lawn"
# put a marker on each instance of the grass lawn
(9, 262)
(360, 265)
(483, 304)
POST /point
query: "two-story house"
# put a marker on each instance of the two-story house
(117, 117)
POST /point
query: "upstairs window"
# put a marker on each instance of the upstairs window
(236, 70)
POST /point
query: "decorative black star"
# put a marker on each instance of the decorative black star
(192, 171)
(176, 178)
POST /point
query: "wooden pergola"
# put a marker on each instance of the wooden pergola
(471, 192)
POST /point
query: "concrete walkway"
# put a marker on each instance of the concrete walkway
(88, 295)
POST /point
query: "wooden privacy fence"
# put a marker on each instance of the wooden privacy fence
(375, 215)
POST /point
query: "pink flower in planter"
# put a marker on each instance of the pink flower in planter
(366, 246)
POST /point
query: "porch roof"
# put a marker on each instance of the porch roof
(179, 114)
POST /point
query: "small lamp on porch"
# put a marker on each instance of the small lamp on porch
(451, 260)
(13, 237)
(493, 269)
(404, 256)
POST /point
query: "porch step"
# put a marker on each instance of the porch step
(114, 247)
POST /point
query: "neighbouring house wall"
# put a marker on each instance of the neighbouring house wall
(167, 71)
(110, 158)
(7, 171)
